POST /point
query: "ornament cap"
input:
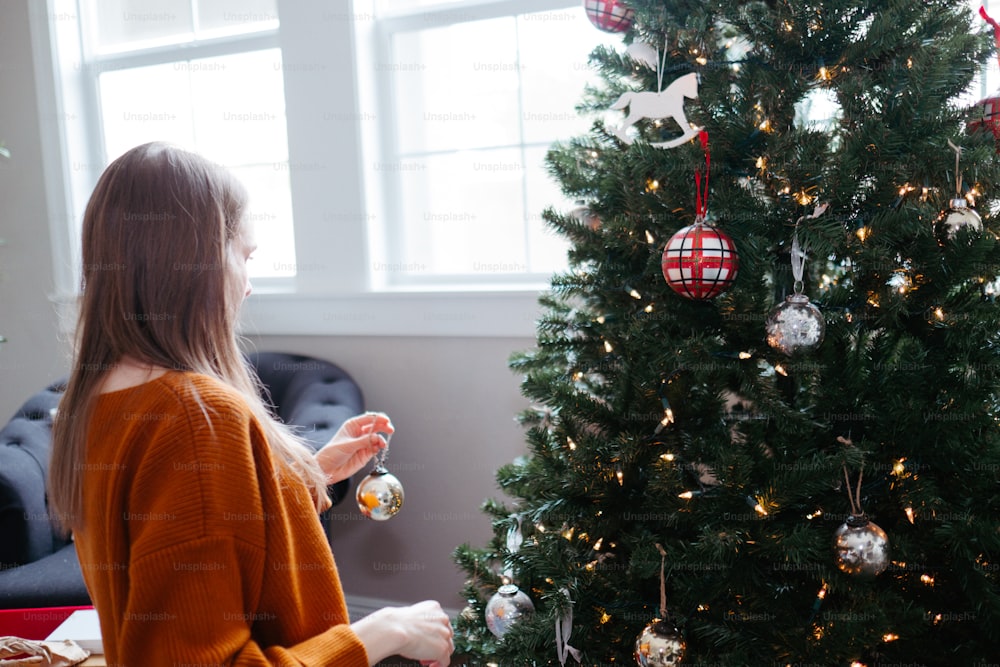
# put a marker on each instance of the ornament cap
(508, 590)
(958, 203)
(857, 520)
(663, 626)
(797, 298)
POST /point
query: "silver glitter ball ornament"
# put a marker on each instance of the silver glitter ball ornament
(861, 547)
(506, 606)
(795, 326)
(958, 216)
(379, 495)
(659, 644)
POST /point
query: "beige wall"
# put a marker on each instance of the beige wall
(453, 403)
(453, 400)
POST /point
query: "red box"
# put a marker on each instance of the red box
(35, 623)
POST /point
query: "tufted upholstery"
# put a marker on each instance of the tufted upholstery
(33, 557)
(313, 395)
(38, 568)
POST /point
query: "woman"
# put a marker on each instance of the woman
(194, 512)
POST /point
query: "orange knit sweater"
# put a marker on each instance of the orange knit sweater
(198, 546)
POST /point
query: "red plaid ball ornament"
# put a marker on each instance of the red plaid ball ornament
(609, 15)
(987, 117)
(700, 261)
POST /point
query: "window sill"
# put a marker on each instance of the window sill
(460, 314)
(471, 313)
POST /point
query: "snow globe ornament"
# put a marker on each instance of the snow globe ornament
(380, 494)
(861, 547)
(506, 607)
(795, 326)
(659, 644)
(959, 216)
(609, 15)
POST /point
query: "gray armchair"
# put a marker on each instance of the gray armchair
(38, 568)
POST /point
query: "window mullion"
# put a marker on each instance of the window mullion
(324, 152)
(195, 22)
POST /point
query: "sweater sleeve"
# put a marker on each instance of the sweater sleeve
(186, 607)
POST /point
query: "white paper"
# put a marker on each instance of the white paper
(83, 628)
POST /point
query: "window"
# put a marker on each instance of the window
(476, 95)
(203, 74)
(322, 114)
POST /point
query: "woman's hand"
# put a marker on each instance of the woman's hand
(355, 443)
(420, 632)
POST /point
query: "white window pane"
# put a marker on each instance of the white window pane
(492, 92)
(548, 250)
(554, 51)
(456, 87)
(234, 16)
(145, 104)
(121, 22)
(239, 107)
(464, 215)
(271, 215)
(229, 109)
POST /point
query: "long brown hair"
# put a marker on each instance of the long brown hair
(156, 235)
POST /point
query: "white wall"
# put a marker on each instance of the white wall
(34, 355)
(453, 400)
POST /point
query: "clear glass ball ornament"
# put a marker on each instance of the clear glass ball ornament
(795, 326)
(504, 609)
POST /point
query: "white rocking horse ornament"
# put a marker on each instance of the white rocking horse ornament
(667, 103)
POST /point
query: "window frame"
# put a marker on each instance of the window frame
(327, 72)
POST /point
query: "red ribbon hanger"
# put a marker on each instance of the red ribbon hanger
(996, 27)
(701, 196)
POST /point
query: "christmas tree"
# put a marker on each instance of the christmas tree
(799, 466)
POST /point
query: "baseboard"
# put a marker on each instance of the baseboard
(359, 606)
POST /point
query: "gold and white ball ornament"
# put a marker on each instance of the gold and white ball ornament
(660, 644)
(380, 493)
(959, 216)
(584, 214)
